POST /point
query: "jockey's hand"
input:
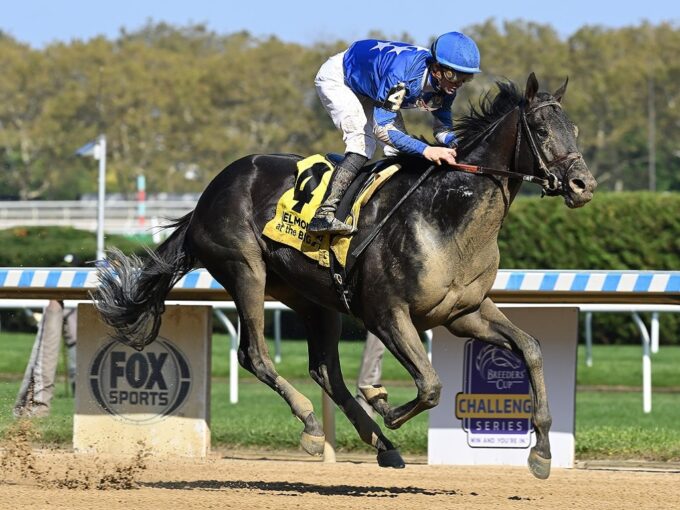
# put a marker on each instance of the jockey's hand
(440, 155)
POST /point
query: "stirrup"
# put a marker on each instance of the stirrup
(332, 225)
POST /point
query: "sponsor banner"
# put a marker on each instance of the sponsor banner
(140, 387)
(495, 405)
(297, 206)
(158, 397)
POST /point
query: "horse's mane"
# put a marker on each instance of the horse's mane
(490, 109)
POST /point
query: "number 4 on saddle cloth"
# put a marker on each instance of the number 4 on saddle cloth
(297, 206)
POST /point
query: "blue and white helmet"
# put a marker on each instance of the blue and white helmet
(456, 51)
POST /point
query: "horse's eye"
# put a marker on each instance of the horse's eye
(542, 132)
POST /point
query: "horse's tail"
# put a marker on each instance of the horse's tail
(131, 293)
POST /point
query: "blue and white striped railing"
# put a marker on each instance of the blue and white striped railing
(588, 281)
(15, 280)
(47, 278)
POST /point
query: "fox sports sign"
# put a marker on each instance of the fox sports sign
(140, 387)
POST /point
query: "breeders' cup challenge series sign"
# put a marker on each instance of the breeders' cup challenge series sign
(495, 405)
(484, 417)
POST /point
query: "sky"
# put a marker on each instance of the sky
(41, 22)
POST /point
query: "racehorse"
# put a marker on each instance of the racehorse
(432, 264)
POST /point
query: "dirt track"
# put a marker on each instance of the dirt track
(40, 479)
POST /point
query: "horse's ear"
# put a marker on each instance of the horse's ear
(531, 89)
(559, 93)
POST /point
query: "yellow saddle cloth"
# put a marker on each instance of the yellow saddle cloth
(297, 206)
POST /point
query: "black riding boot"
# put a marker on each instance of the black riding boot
(324, 220)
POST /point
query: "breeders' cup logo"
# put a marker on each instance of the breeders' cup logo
(495, 404)
(501, 367)
(140, 387)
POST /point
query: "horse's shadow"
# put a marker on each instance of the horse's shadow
(300, 488)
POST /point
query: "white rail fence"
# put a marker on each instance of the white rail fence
(591, 291)
(121, 216)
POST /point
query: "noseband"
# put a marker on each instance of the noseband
(551, 184)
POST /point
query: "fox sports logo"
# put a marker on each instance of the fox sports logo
(140, 387)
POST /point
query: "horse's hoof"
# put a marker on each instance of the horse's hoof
(313, 445)
(538, 466)
(391, 458)
(391, 423)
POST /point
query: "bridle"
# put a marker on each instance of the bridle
(547, 180)
(551, 185)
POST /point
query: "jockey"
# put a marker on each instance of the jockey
(365, 87)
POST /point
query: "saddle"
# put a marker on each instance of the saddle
(357, 186)
(298, 204)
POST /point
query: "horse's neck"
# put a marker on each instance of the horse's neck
(476, 209)
(498, 151)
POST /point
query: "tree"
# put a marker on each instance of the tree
(24, 89)
(179, 103)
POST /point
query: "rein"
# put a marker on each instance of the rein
(549, 181)
(339, 276)
(485, 170)
(369, 238)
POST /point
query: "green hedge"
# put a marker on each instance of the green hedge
(47, 246)
(637, 231)
(615, 231)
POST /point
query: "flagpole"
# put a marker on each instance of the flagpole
(101, 156)
(97, 150)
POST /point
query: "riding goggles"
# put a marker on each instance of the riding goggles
(455, 77)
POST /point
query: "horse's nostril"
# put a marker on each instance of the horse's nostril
(577, 185)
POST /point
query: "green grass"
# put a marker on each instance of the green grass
(294, 360)
(612, 425)
(250, 422)
(54, 429)
(612, 365)
(608, 424)
(621, 365)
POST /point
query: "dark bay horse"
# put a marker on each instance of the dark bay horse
(432, 264)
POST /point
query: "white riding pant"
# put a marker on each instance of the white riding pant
(351, 113)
